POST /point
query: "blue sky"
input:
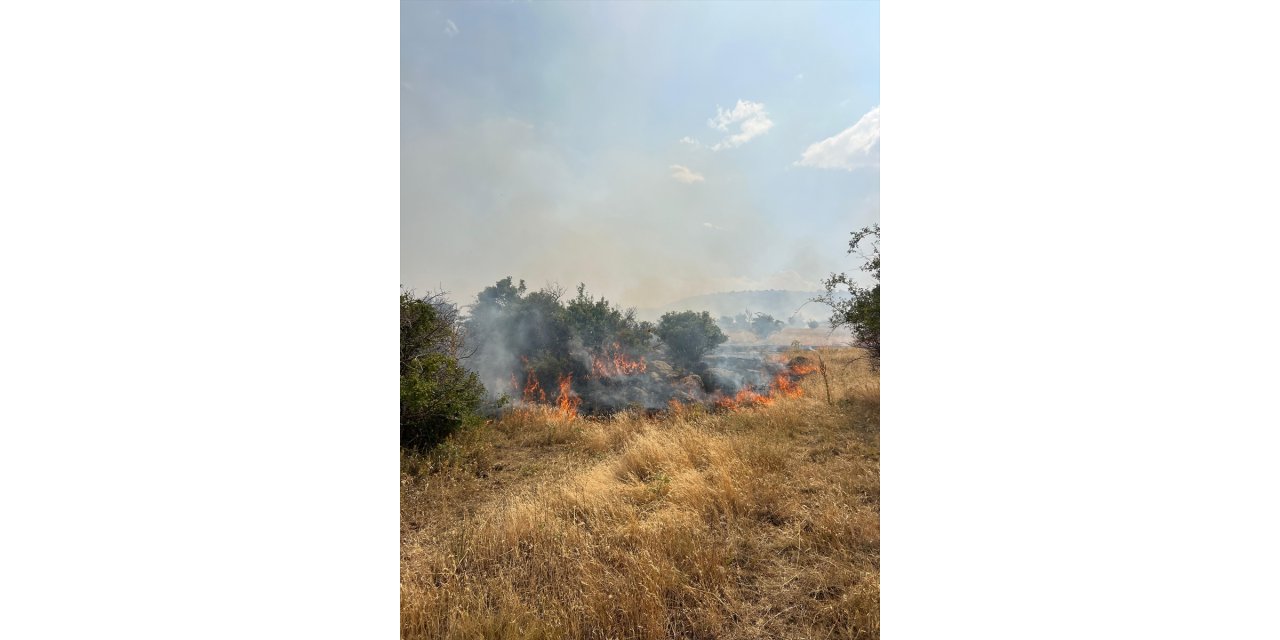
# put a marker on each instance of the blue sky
(652, 151)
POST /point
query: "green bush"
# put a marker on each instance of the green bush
(689, 335)
(764, 325)
(601, 326)
(436, 393)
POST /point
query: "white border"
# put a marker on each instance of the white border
(199, 250)
(200, 219)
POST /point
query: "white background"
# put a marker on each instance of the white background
(199, 209)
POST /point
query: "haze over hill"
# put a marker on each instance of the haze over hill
(781, 304)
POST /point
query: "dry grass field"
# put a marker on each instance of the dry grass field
(757, 523)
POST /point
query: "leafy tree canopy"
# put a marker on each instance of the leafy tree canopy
(764, 325)
(689, 335)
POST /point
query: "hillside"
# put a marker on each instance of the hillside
(778, 303)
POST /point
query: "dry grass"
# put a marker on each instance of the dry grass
(758, 524)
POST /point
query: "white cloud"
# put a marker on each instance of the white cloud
(751, 120)
(450, 29)
(712, 226)
(754, 121)
(857, 146)
(685, 174)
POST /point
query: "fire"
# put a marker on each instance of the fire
(610, 364)
(744, 399)
(533, 391)
(567, 405)
(614, 362)
(783, 386)
(628, 367)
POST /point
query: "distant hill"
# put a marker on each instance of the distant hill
(777, 303)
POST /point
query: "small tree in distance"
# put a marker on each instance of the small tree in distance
(689, 335)
(764, 325)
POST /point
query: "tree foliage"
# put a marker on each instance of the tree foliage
(860, 310)
(601, 327)
(548, 338)
(689, 335)
(544, 333)
(533, 328)
(436, 393)
(764, 325)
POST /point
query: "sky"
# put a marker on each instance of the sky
(652, 151)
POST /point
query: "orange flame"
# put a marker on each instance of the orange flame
(783, 386)
(801, 366)
(567, 405)
(533, 391)
(616, 363)
(627, 367)
(567, 402)
(744, 399)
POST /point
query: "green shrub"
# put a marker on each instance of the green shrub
(764, 325)
(436, 393)
(689, 335)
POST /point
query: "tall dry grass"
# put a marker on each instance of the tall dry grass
(762, 523)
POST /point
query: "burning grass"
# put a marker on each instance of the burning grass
(564, 405)
(783, 386)
(693, 522)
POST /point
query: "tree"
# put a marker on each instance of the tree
(764, 325)
(601, 326)
(689, 335)
(516, 334)
(860, 311)
(436, 393)
(546, 337)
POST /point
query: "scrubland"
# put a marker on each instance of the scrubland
(690, 523)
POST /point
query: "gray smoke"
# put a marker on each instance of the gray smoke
(530, 346)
